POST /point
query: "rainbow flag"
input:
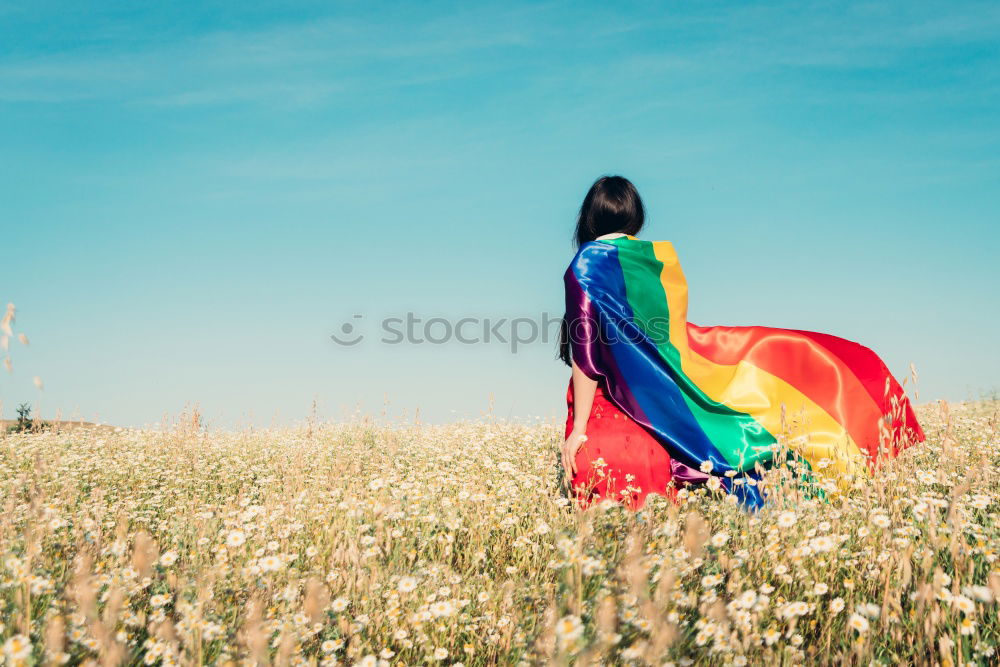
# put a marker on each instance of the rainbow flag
(725, 398)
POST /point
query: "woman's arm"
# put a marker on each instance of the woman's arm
(584, 389)
(583, 398)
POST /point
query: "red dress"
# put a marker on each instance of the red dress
(619, 459)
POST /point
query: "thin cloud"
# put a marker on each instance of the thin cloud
(227, 67)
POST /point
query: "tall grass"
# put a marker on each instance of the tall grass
(380, 544)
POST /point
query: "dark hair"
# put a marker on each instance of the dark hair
(612, 205)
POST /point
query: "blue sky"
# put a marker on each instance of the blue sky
(194, 196)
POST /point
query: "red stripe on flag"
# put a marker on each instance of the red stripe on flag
(842, 387)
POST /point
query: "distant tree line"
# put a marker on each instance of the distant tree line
(25, 423)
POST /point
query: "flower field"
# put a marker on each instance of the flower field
(381, 544)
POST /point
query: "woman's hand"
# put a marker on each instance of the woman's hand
(584, 390)
(570, 448)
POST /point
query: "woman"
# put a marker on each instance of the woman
(619, 459)
(656, 402)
